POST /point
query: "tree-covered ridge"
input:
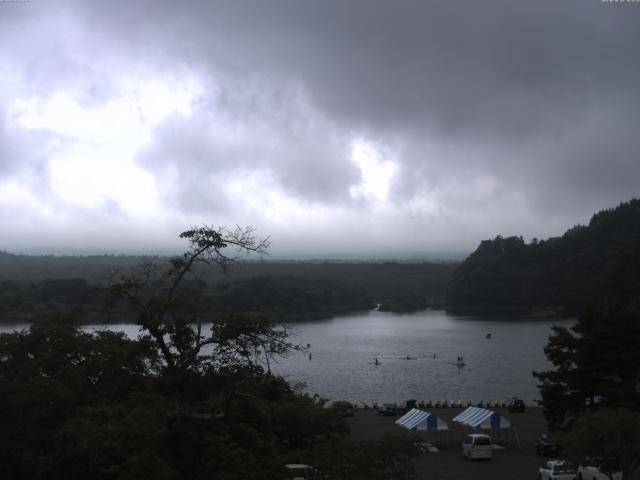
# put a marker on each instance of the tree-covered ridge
(287, 290)
(283, 297)
(567, 273)
(287, 296)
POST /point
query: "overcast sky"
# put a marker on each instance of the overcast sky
(337, 127)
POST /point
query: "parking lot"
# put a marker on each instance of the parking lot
(510, 463)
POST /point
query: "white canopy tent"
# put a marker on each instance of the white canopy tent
(420, 420)
(476, 417)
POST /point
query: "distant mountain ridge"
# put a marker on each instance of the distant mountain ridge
(560, 274)
(34, 285)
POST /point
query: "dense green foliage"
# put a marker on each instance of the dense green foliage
(287, 296)
(612, 434)
(34, 268)
(71, 401)
(179, 402)
(286, 290)
(75, 405)
(592, 394)
(23, 301)
(568, 272)
(284, 297)
(597, 361)
(385, 283)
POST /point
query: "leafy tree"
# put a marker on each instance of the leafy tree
(77, 405)
(168, 315)
(597, 361)
(608, 434)
(247, 339)
(52, 373)
(390, 457)
(173, 404)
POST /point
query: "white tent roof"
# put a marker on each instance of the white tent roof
(476, 417)
(416, 419)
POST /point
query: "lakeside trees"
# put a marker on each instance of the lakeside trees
(177, 403)
(285, 298)
(76, 405)
(610, 434)
(597, 361)
(593, 393)
(165, 305)
(58, 386)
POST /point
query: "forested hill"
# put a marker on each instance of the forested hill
(561, 274)
(33, 285)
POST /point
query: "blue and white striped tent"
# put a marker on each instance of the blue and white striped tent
(476, 417)
(416, 419)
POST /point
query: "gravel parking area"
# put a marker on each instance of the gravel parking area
(512, 463)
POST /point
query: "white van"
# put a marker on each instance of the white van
(477, 445)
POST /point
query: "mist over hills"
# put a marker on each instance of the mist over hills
(559, 275)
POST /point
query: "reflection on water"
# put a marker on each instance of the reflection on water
(344, 351)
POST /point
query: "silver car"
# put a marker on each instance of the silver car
(599, 469)
(557, 470)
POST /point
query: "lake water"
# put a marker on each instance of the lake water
(343, 350)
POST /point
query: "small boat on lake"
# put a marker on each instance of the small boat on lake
(488, 335)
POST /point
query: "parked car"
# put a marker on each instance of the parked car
(477, 445)
(557, 470)
(300, 471)
(516, 405)
(600, 469)
(545, 447)
(388, 410)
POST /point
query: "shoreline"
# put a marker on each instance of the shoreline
(439, 404)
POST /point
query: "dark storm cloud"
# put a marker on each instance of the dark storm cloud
(241, 131)
(499, 116)
(524, 78)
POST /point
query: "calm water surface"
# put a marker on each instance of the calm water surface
(343, 350)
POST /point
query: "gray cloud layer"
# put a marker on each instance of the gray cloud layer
(497, 116)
